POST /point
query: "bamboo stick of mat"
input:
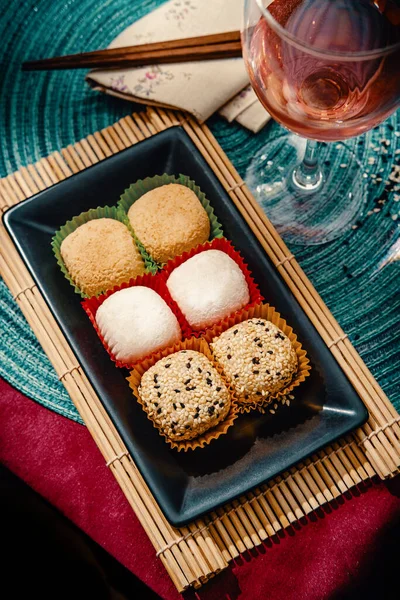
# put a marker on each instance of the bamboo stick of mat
(389, 456)
(194, 553)
(207, 47)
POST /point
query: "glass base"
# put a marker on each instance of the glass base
(308, 216)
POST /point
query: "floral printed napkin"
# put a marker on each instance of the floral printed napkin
(201, 88)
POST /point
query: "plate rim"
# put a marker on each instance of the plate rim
(174, 516)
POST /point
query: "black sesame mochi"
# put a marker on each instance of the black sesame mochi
(184, 395)
(258, 359)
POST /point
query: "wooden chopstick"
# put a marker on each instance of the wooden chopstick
(207, 47)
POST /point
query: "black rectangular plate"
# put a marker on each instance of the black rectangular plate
(258, 447)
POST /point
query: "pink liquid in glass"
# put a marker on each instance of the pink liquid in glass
(315, 93)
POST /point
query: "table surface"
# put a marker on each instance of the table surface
(357, 277)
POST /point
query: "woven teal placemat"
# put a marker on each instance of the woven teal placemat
(357, 276)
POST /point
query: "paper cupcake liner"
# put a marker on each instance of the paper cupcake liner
(142, 186)
(156, 283)
(225, 246)
(108, 212)
(200, 345)
(267, 312)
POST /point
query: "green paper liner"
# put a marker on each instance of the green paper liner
(108, 212)
(200, 345)
(267, 312)
(142, 186)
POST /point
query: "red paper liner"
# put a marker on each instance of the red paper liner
(267, 312)
(154, 282)
(225, 246)
(199, 345)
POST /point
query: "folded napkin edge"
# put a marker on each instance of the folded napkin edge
(98, 87)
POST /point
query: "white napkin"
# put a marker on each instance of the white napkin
(201, 88)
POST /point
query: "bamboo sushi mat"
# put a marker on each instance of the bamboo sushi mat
(194, 553)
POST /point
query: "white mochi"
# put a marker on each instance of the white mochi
(208, 287)
(135, 322)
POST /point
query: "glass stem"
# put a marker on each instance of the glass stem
(308, 174)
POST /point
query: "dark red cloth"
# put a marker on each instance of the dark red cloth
(324, 557)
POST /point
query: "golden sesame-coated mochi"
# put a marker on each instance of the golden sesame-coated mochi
(169, 220)
(101, 254)
(184, 395)
(257, 357)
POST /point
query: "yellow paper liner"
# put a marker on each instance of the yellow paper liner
(199, 345)
(267, 312)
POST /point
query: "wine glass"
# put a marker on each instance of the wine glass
(327, 70)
